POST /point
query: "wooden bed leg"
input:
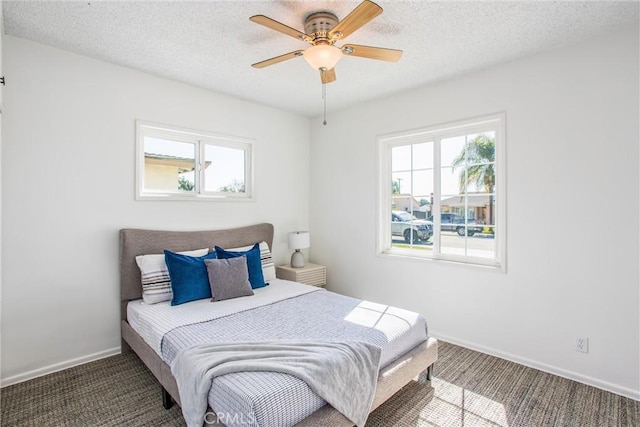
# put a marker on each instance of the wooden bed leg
(426, 376)
(167, 400)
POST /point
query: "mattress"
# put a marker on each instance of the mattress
(283, 310)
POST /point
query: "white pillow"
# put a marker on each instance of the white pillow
(268, 266)
(156, 284)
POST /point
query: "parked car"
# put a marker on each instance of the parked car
(404, 224)
(455, 222)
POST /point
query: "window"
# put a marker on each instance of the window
(442, 193)
(178, 164)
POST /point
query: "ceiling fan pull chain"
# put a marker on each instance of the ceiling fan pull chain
(324, 99)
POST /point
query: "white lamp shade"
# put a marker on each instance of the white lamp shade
(322, 56)
(299, 240)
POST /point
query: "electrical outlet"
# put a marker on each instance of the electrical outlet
(582, 345)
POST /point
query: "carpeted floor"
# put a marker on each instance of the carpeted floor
(470, 389)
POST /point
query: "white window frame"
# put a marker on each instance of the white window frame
(494, 122)
(200, 139)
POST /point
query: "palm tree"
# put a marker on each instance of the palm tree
(480, 155)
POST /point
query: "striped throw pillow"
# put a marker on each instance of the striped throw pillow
(156, 285)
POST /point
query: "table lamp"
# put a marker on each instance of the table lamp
(298, 240)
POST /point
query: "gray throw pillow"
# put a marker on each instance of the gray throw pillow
(228, 278)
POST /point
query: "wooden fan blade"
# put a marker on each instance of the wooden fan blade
(380, 53)
(328, 76)
(363, 13)
(275, 25)
(277, 59)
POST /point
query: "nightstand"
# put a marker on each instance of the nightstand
(310, 274)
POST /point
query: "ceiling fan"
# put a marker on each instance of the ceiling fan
(322, 31)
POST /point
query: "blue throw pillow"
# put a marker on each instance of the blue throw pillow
(254, 265)
(189, 278)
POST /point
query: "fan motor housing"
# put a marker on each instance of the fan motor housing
(319, 24)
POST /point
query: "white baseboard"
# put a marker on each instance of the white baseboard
(604, 385)
(58, 367)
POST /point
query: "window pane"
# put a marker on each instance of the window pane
(453, 203)
(478, 178)
(401, 183)
(401, 158)
(481, 148)
(473, 160)
(168, 165)
(452, 151)
(423, 155)
(224, 169)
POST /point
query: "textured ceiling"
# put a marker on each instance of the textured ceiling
(212, 44)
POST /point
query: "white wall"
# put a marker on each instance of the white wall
(1, 109)
(68, 159)
(572, 209)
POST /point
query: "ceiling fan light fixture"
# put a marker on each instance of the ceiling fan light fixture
(322, 56)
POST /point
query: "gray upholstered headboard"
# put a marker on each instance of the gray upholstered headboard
(134, 242)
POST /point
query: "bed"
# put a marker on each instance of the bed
(411, 356)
